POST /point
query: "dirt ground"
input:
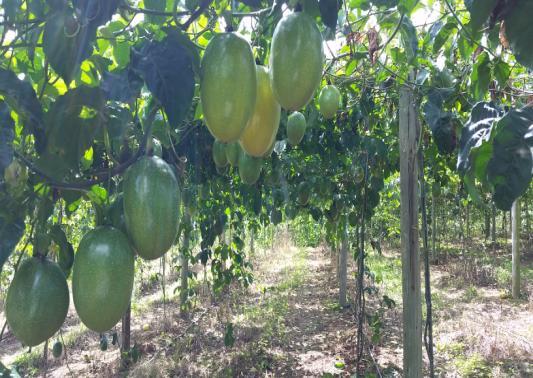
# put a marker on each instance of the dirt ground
(288, 324)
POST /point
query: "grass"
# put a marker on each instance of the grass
(387, 272)
(270, 312)
(30, 363)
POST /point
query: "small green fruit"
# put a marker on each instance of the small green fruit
(329, 101)
(296, 126)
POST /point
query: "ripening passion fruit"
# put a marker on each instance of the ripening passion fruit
(260, 132)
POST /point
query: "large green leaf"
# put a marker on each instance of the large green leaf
(409, 38)
(157, 5)
(123, 86)
(7, 133)
(480, 10)
(167, 69)
(21, 97)
(67, 42)
(385, 3)
(475, 132)
(498, 152)
(519, 29)
(328, 11)
(11, 230)
(407, 6)
(443, 127)
(510, 167)
(72, 122)
(444, 34)
(480, 77)
(96, 12)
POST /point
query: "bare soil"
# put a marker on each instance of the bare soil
(288, 324)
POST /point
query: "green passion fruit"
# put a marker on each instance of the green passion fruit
(304, 193)
(233, 151)
(57, 349)
(115, 214)
(249, 168)
(276, 216)
(296, 126)
(219, 154)
(329, 101)
(16, 176)
(296, 60)
(358, 174)
(260, 132)
(37, 301)
(228, 86)
(102, 278)
(151, 206)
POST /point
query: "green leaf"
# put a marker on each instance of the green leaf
(121, 53)
(72, 122)
(442, 125)
(480, 77)
(167, 69)
(229, 339)
(480, 10)
(444, 34)
(66, 251)
(475, 132)
(510, 167)
(385, 3)
(123, 86)
(409, 38)
(329, 10)
(519, 29)
(466, 48)
(11, 230)
(407, 6)
(21, 97)
(501, 71)
(311, 7)
(67, 42)
(96, 12)
(7, 134)
(157, 5)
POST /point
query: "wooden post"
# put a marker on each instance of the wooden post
(515, 214)
(412, 308)
(126, 330)
(343, 260)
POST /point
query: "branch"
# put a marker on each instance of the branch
(154, 12)
(204, 4)
(467, 33)
(393, 33)
(251, 14)
(98, 177)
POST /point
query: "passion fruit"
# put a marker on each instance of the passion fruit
(296, 60)
(228, 86)
(260, 132)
